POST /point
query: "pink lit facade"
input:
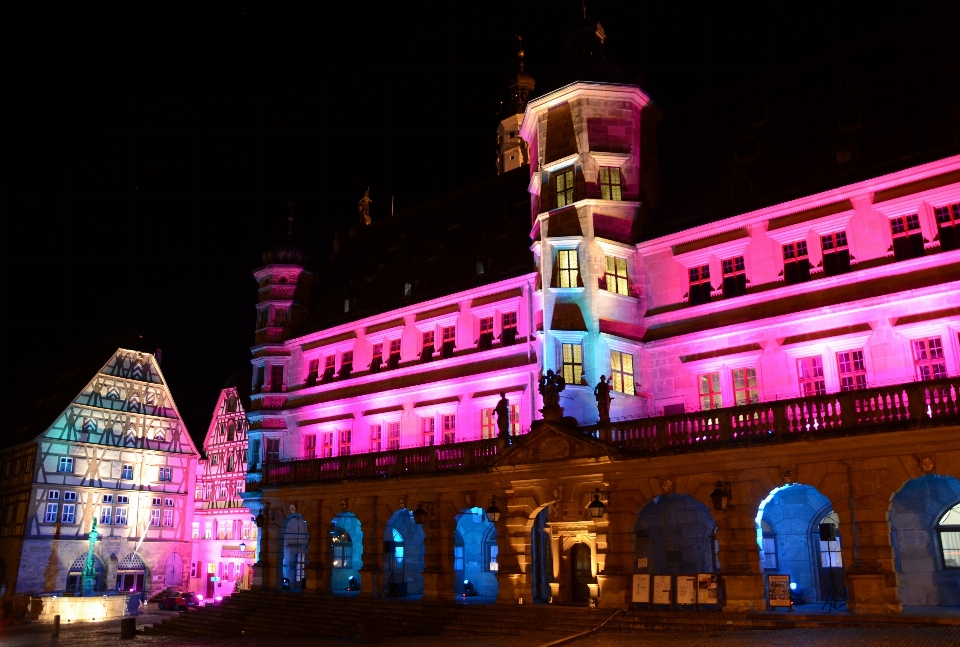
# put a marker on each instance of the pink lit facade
(223, 531)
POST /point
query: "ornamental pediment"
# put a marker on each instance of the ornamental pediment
(550, 442)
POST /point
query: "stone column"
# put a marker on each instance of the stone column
(739, 553)
(372, 520)
(866, 545)
(438, 534)
(616, 541)
(317, 546)
(515, 564)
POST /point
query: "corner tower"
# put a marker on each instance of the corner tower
(512, 150)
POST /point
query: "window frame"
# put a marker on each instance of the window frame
(940, 529)
(796, 262)
(952, 212)
(907, 236)
(696, 283)
(815, 362)
(931, 361)
(614, 189)
(570, 274)
(563, 182)
(65, 465)
(755, 399)
(622, 372)
(714, 388)
(857, 375)
(840, 257)
(734, 272)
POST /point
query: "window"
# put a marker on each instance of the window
(449, 341)
(615, 279)
(509, 333)
(273, 451)
(214, 459)
(449, 428)
(346, 364)
(796, 266)
(853, 373)
(948, 225)
(310, 446)
(458, 556)
(948, 529)
(493, 552)
(907, 238)
(246, 530)
(51, 514)
(230, 464)
(69, 496)
(107, 498)
(69, 510)
(106, 515)
(700, 287)
(407, 289)
(426, 347)
(166, 474)
(168, 518)
(734, 277)
(377, 358)
(836, 256)
(485, 341)
(155, 500)
(621, 372)
(276, 379)
(326, 450)
(65, 464)
(428, 426)
(709, 388)
(488, 424)
(346, 435)
(123, 499)
(195, 534)
(393, 435)
(120, 516)
(810, 374)
(572, 368)
(313, 372)
(768, 547)
(346, 305)
(375, 438)
(564, 186)
(231, 432)
(394, 354)
(53, 495)
(127, 472)
(928, 359)
(329, 368)
(610, 183)
(568, 273)
(208, 530)
(745, 386)
(258, 381)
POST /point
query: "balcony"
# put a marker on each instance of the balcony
(872, 410)
(276, 293)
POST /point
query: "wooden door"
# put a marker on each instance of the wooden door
(582, 574)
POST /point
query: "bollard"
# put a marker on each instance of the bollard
(128, 628)
(56, 625)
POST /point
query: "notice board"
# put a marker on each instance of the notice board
(663, 589)
(707, 588)
(779, 590)
(641, 588)
(686, 589)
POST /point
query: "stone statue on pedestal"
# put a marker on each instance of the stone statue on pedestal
(602, 394)
(551, 385)
(89, 572)
(364, 207)
(503, 415)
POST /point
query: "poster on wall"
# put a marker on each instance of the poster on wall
(779, 590)
(707, 588)
(641, 588)
(686, 589)
(662, 589)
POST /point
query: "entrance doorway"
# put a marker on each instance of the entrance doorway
(293, 546)
(542, 556)
(831, 561)
(173, 573)
(581, 572)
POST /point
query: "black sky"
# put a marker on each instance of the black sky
(150, 150)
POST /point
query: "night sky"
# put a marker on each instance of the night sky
(151, 151)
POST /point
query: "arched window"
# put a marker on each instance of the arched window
(948, 529)
(769, 546)
(342, 549)
(232, 404)
(457, 551)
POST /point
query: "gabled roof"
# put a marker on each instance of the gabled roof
(226, 392)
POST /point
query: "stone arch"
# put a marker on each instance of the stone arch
(345, 553)
(132, 573)
(541, 554)
(676, 533)
(924, 578)
(173, 570)
(293, 546)
(404, 538)
(75, 574)
(475, 552)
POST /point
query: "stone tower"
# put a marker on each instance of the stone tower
(512, 152)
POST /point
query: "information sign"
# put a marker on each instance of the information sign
(641, 588)
(707, 588)
(662, 589)
(779, 590)
(686, 589)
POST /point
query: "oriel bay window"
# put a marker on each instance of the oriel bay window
(907, 237)
(928, 359)
(621, 372)
(734, 277)
(948, 226)
(700, 287)
(568, 269)
(853, 372)
(708, 387)
(572, 362)
(836, 255)
(745, 386)
(810, 375)
(610, 183)
(615, 279)
(796, 266)
(563, 183)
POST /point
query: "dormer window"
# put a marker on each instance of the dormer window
(564, 187)
(610, 183)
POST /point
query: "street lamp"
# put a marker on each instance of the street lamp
(243, 547)
(493, 512)
(596, 506)
(721, 495)
(419, 515)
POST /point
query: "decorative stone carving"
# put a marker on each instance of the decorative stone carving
(553, 448)
(667, 485)
(927, 463)
(789, 475)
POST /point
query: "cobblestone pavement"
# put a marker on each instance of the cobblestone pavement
(847, 637)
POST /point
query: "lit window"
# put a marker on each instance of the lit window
(615, 279)
(493, 552)
(246, 530)
(195, 531)
(564, 185)
(907, 238)
(734, 277)
(426, 346)
(168, 518)
(428, 426)
(458, 556)
(568, 272)
(375, 438)
(700, 287)
(208, 530)
(836, 255)
(709, 390)
(745, 386)
(948, 226)
(166, 474)
(488, 423)
(346, 436)
(393, 435)
(65, 464)
(810, 374)
(69, 510)
(948, 528)
(479, 266)
(127, 472)
(449, 428)
(572, 365)
(120, 518)
(796, 266)
(769, 548)
(610, 183)
(346, 305)
(326, 450)
(51, 514)
(853, 373)
(928, 359)
(106, 515)
(621, 372)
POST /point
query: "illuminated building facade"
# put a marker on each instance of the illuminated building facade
(100, 442)
(783, 380)
(223, 531)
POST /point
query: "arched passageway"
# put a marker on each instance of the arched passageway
(294, 547)
(799, 536)
(403, 540)
(675, 534)
(346, 553)
(925, 522)
(475, 554)
(541, 552)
